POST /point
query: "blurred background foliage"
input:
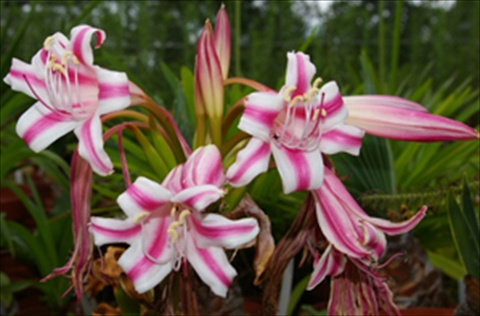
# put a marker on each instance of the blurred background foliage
(425, 51)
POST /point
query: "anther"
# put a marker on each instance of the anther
(298, 98)
(140, 216)
(287, 92)
(66, 55)
(46, 43)
(317, 82)
(324, 113)
(315, 115)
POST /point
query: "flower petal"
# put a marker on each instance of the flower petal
(210, 80)
(332, 102)
(217, 230)
(111, 230)
(261, 109)
(340, 229)
(343, 138)
(204, 166)
(114, 93)
(300, 72)
(388, 227)
(173, 180)
(22, 78)
(81, 37)
(251, 161)
(144, 195)
(299, 170)
(222, 40)
(198, 197)
(40, 127)
(331, 263)
(141, 270)
(404, 123)
(90, 145)
(383, 100)
(399, 228)
(212, 266)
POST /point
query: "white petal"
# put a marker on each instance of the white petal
(217, 230)
(90, 146)
(144, 195)
(40, 127)
(212, 266)
(299, 170)
(261, 109)
(251, 161)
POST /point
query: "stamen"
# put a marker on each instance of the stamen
(68, 54)
(315, 114)
(324, 113)
(46, 43)
(140, 216)
(317, 82)
(41, 101)
(298, 98)
(145, 252)
(171, 230)
(287, 92)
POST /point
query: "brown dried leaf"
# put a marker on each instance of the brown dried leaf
(265, 243)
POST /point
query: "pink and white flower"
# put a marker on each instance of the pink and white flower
(165, 225)
(355, 287)
(296, 125)
(397, 118)
(71, 92)
(349, 230)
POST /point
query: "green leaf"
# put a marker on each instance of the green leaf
(465, 241)
(154, 160)
(128, 305)
(450, 267)
(297, 294)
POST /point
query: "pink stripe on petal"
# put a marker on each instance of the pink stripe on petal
(251, 161)
(198, 197)
(156, 245)
(109, 90)
(302, 84)
(336, 225)
(38, 127)
(260, 115)
(299, 170)
(334, 105)
(344, 138)
(116, 234)
(145, 201)
(91, 150)
(212, 265)
(216, 230)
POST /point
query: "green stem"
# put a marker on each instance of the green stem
(381, 45)
(392, 82)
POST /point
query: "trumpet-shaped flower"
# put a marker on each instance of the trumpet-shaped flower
(165, 225)
(349, 230)
(397, 118)
(356, 288)
(296, 125)
(71, 94)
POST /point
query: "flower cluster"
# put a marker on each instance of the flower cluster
(172, 222)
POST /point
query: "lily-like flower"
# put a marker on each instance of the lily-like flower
(349, 230)
(80, 196)
(401, 119)
(356, 288)
(222, 40)
(296, 125)
(165, 225)
(71, 94)
(209, 81)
